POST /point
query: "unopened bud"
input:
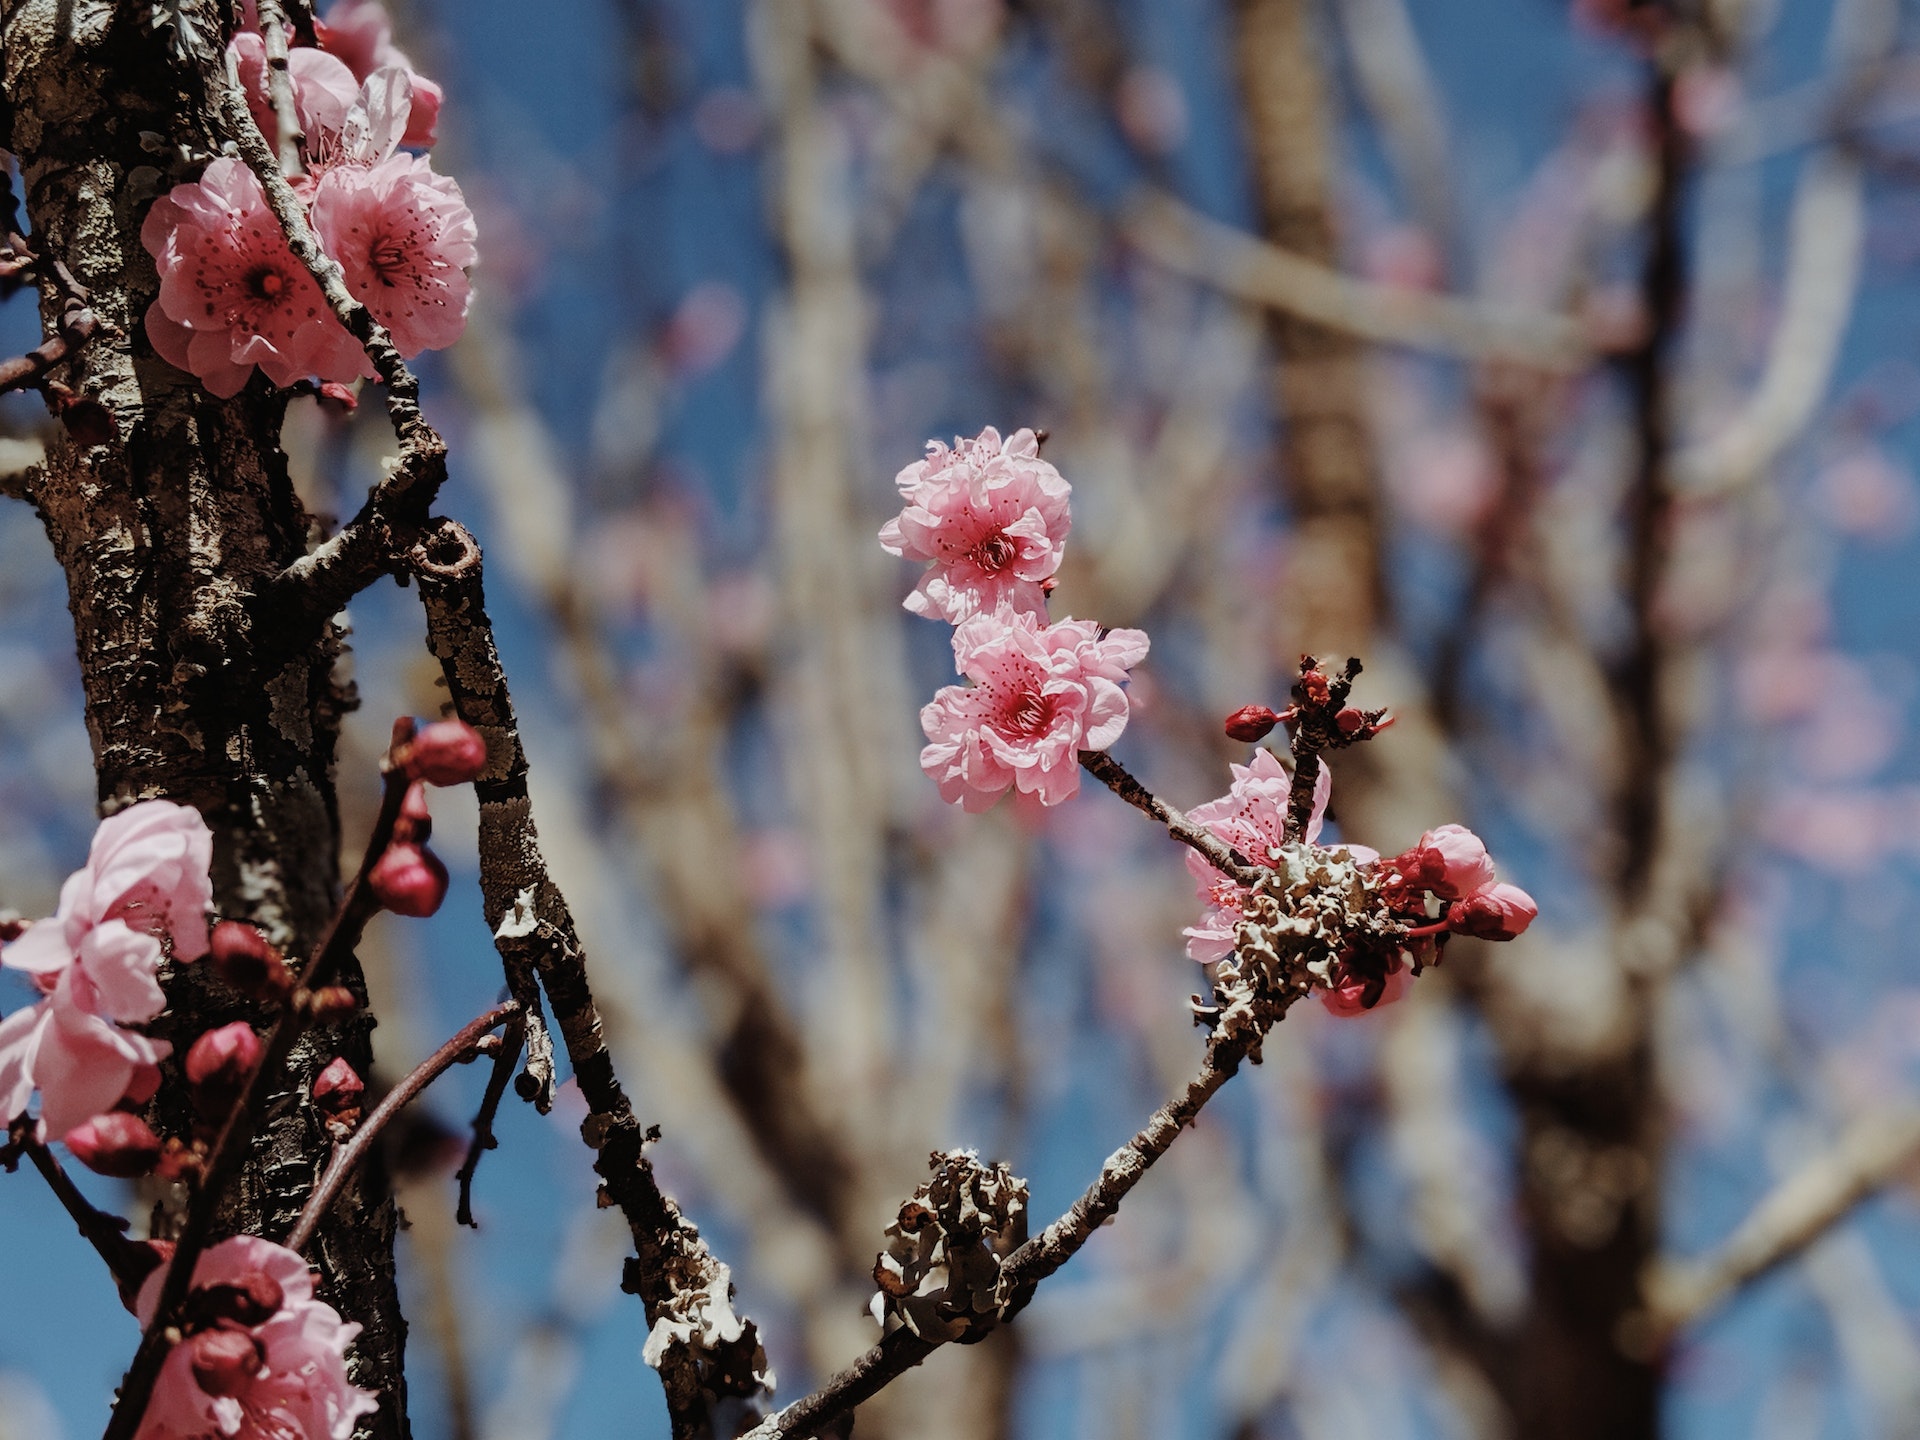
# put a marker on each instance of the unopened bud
(336, 1095)
(1313, 688)
(1349, 720)
(1251, 723)
(330, 1002)
(247, 961)
(447, 752)
(219, 1066)
(333, 393)
(116, 1144)
(409, 880)
(225, 1360)
(1498, 912)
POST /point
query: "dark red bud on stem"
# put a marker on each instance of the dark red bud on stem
(1251, 723)
(447, 752)
(409, 880)
(116, 1144)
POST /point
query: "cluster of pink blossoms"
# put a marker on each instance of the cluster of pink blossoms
(259, 1357)
(991, 516)
(1450, 864)
(232, 295)
(95, 961)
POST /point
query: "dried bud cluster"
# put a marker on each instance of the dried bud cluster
(940, 1273)
(1317, 922)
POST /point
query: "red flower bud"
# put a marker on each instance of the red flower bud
(447, 752)
(219, 1066)
(409, 880)
(116, 1144)
(332, 392)
(1498, 912)
(1250, 723)
(245, 959)
(224, 1360)
(1350, 720)
(1313, 685)
(336, 1095)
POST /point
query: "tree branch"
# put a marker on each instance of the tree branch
(534, 932)
(1252, 270)
(105, 1233)
(1034, 1261)
(273, 28)
(511, 1045)
(1223, 857)
(1874, 1150)
(460, 1047)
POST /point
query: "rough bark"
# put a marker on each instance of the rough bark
(165, 534)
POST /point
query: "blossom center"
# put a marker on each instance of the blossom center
(267, 284)
(1030, 714)
(387, 257)
(996, 552)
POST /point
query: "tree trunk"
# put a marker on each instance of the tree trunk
(166, 532)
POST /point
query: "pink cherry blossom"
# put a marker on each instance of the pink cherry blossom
(405, 238)
(148, 866)
(1450, 861)
(232, 296)
(991, 516)
(95, 960)
(323, 88)
(1252, 818)
(1496, 912)
(1041, 694)
(289, 1384)
(360, 33)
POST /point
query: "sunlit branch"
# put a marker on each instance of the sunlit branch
(1250, 269)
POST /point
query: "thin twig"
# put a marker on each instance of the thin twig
(286, 118)
(512, 1041)
(349, 1156)
(1874, 1150)
(1223, 857)
(106, 1233)
(356, 908)
(77, 324)
(1250, 269)
(1023, 1271)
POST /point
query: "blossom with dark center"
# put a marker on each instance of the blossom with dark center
(991, 515)
(232, 295)
(1040, 695)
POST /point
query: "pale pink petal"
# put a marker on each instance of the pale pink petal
(122, 962)
(42, 950)
(19, 1042)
